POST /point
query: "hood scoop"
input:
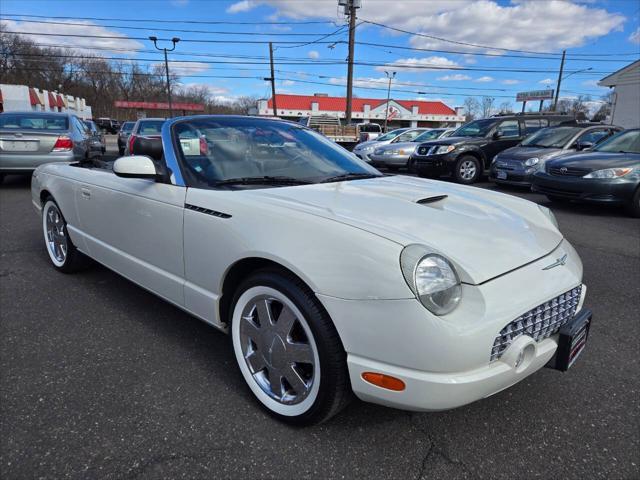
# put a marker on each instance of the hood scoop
(435, 198)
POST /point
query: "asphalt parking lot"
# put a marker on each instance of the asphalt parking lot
(101, 379)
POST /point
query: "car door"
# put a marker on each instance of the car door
(81, 138)
(134, 226)
(505, 134)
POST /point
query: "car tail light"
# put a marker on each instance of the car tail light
(132, 138)
(204, 148)
(63, 144)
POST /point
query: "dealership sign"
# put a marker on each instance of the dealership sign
(193, 107)
(534, 95)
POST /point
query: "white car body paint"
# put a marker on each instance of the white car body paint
(344, 240)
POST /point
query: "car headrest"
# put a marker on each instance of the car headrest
(151, 147)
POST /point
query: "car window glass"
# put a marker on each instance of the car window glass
(25, 121)
(151, 127)
(80, 126)
(594, 136)
(508, 128)
(428, 135)
(531, 125)
(407, 136)
(625, 141)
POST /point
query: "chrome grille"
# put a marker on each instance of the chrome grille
(540, 322)
(568, 171)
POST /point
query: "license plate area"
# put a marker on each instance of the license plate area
(19, 145)
(501, 175)
(571, 342)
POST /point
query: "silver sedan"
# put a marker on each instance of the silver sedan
(29, 139)
(396, 155)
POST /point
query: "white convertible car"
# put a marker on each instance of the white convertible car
(331, 278)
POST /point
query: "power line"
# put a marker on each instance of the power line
(475, 45)
(173, 21)
(176, 30)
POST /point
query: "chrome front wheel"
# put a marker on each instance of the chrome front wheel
(55, 234)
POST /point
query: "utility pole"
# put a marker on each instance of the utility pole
(350, 6)
(555, 101)
(174, 40)
(272, 79)
(390, 76)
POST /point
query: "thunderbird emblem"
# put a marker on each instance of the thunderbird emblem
(558, 263)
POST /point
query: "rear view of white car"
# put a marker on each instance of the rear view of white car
(331, 278)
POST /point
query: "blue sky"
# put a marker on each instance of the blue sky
(601, 35)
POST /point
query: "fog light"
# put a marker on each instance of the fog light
(384, 381)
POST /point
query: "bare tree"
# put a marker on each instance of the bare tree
(471, 107)
(506, 107)
(486, 106)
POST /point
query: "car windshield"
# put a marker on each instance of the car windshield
(627, 142)
(391, 135)
(556, 137)
(150, 127)
(370, 128)
(127, 126)
(477, 128)
(28, 121)
(428, 135)
(217, 150)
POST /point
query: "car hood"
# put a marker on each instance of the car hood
(484, 233)
(598, 160)
(524, 153)
(369, 143)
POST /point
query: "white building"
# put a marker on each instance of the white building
(402, 113)
(625, 108)
(23, 98)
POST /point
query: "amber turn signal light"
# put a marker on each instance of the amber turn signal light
(384, 381)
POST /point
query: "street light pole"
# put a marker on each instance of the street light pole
(390, 76)
(174, 40)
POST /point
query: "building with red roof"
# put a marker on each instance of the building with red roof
(402, 113)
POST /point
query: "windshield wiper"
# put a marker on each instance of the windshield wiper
(264, 180)
(349, 176)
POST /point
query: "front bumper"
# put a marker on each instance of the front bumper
(431, 164)
(445, 361)
(363, 156)
(389, 160)
(606, 191)
(514, 176)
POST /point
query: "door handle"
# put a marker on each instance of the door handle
(86, 193)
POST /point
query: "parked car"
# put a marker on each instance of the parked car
(608, 174)
(108, 125)
(467, 154)
(365, 149)
(123, 136)
(304, 254)
(396, 155)
(29, 139)
(145, 127)
(516, 165)
(98, 142)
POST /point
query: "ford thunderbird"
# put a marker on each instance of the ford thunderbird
(331, 278)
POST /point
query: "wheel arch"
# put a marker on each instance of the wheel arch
(240, 270)
(44, 194)
(476, 153)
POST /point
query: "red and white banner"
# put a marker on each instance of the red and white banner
(192, 107)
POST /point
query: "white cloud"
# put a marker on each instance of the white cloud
(86, 30)
(530, 25)
(242, 6)
(287, 83)
(546, 81)
(484, 79)
(184, 68)
(591, 83)
(418, 64)
(635, 36)
(458, 77)
(313, 54)
(510, 82)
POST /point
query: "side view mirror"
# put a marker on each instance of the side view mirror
(496, 135)
(584, 145)
(135, 166)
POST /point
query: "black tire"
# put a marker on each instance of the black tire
(334, 390)
(634, 206)
(73, 260)
(463, 170)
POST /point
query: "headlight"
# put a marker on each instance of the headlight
(530, 162)
(432, 278)
(549, 215)
(378, 152)
(609, 173)
(444, 149)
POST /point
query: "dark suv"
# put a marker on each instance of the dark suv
(468, 152)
